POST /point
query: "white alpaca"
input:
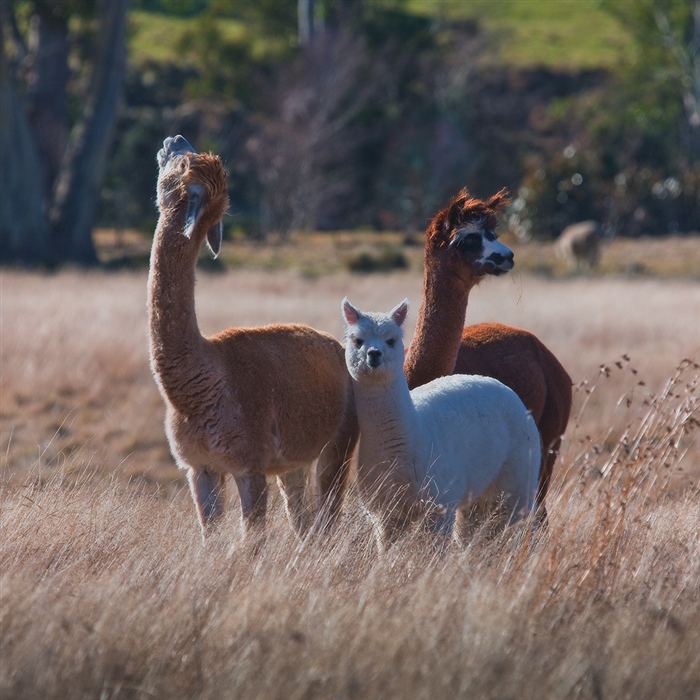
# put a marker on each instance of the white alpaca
(446, 446)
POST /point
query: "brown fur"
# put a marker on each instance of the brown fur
(250, 402)
(442, 345)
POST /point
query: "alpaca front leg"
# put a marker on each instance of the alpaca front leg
(292, 486)
(208, 490)
(253, 494)
(442, 523)
(333, 470)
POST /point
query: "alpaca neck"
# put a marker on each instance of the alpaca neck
(389, 429)
(176, 345)
(438, 334)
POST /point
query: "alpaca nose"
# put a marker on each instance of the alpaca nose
(499, 259)
(498, 263)
(374, 357)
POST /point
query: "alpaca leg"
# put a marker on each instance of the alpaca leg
(253, 494)
(549, 457)
(208, 490)
(292, 486)
(443, 525)
(333, 468)
(464, 527)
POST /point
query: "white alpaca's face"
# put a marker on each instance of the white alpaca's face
(374, 343)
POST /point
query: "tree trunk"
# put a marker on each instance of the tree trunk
(78, 186)
(24, 226)
(47, 103)
(306, 21)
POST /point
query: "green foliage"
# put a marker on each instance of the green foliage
(433, 116)
(631, 147)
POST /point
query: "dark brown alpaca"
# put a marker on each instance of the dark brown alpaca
(460, 250)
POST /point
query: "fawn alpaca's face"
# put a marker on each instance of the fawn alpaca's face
(374, 343)
(195, 183)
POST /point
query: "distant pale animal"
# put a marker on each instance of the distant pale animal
(580, 245)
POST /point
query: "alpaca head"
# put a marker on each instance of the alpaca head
(462, 236)
(374, 343)
(192, 186)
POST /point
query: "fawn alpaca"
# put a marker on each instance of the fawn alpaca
(249, 402)
(460, 250)
(450, 444)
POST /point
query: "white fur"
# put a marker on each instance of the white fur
(452, 443)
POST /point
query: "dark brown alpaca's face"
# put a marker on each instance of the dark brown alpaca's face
(479, 249)
(462, 237)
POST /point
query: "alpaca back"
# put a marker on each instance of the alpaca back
(476, 437)
(289, 381)
(522, 362)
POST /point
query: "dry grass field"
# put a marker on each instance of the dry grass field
(106, 590)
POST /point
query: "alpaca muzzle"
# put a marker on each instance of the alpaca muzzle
(173, 146)
(496, 263)
(374, 358)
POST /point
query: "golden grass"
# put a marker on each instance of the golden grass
(76, 386)
(107, 591)
(315, 254)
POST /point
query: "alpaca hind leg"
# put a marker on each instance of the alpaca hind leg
(333, 469)
(252, 490)
(549, 457)
(208, 491)
(443, 525)
(464, 527)
(292, 486)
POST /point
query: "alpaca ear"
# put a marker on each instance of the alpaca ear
(398, 313)
(351, 314)
(194, 206)
(214, 237)
(498, 200)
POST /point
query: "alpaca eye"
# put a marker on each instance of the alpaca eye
(391, 342)
(471, 243)
(359, 342)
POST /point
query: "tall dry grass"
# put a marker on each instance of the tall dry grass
(107, 591)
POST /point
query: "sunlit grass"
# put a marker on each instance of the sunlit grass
(107, 590)
(525, 33)
(557, 33)
(154, 36)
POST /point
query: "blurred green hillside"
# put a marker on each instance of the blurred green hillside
(525, 33)
(559, 34)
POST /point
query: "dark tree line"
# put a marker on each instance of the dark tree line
(53, 161)
(358, 113)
